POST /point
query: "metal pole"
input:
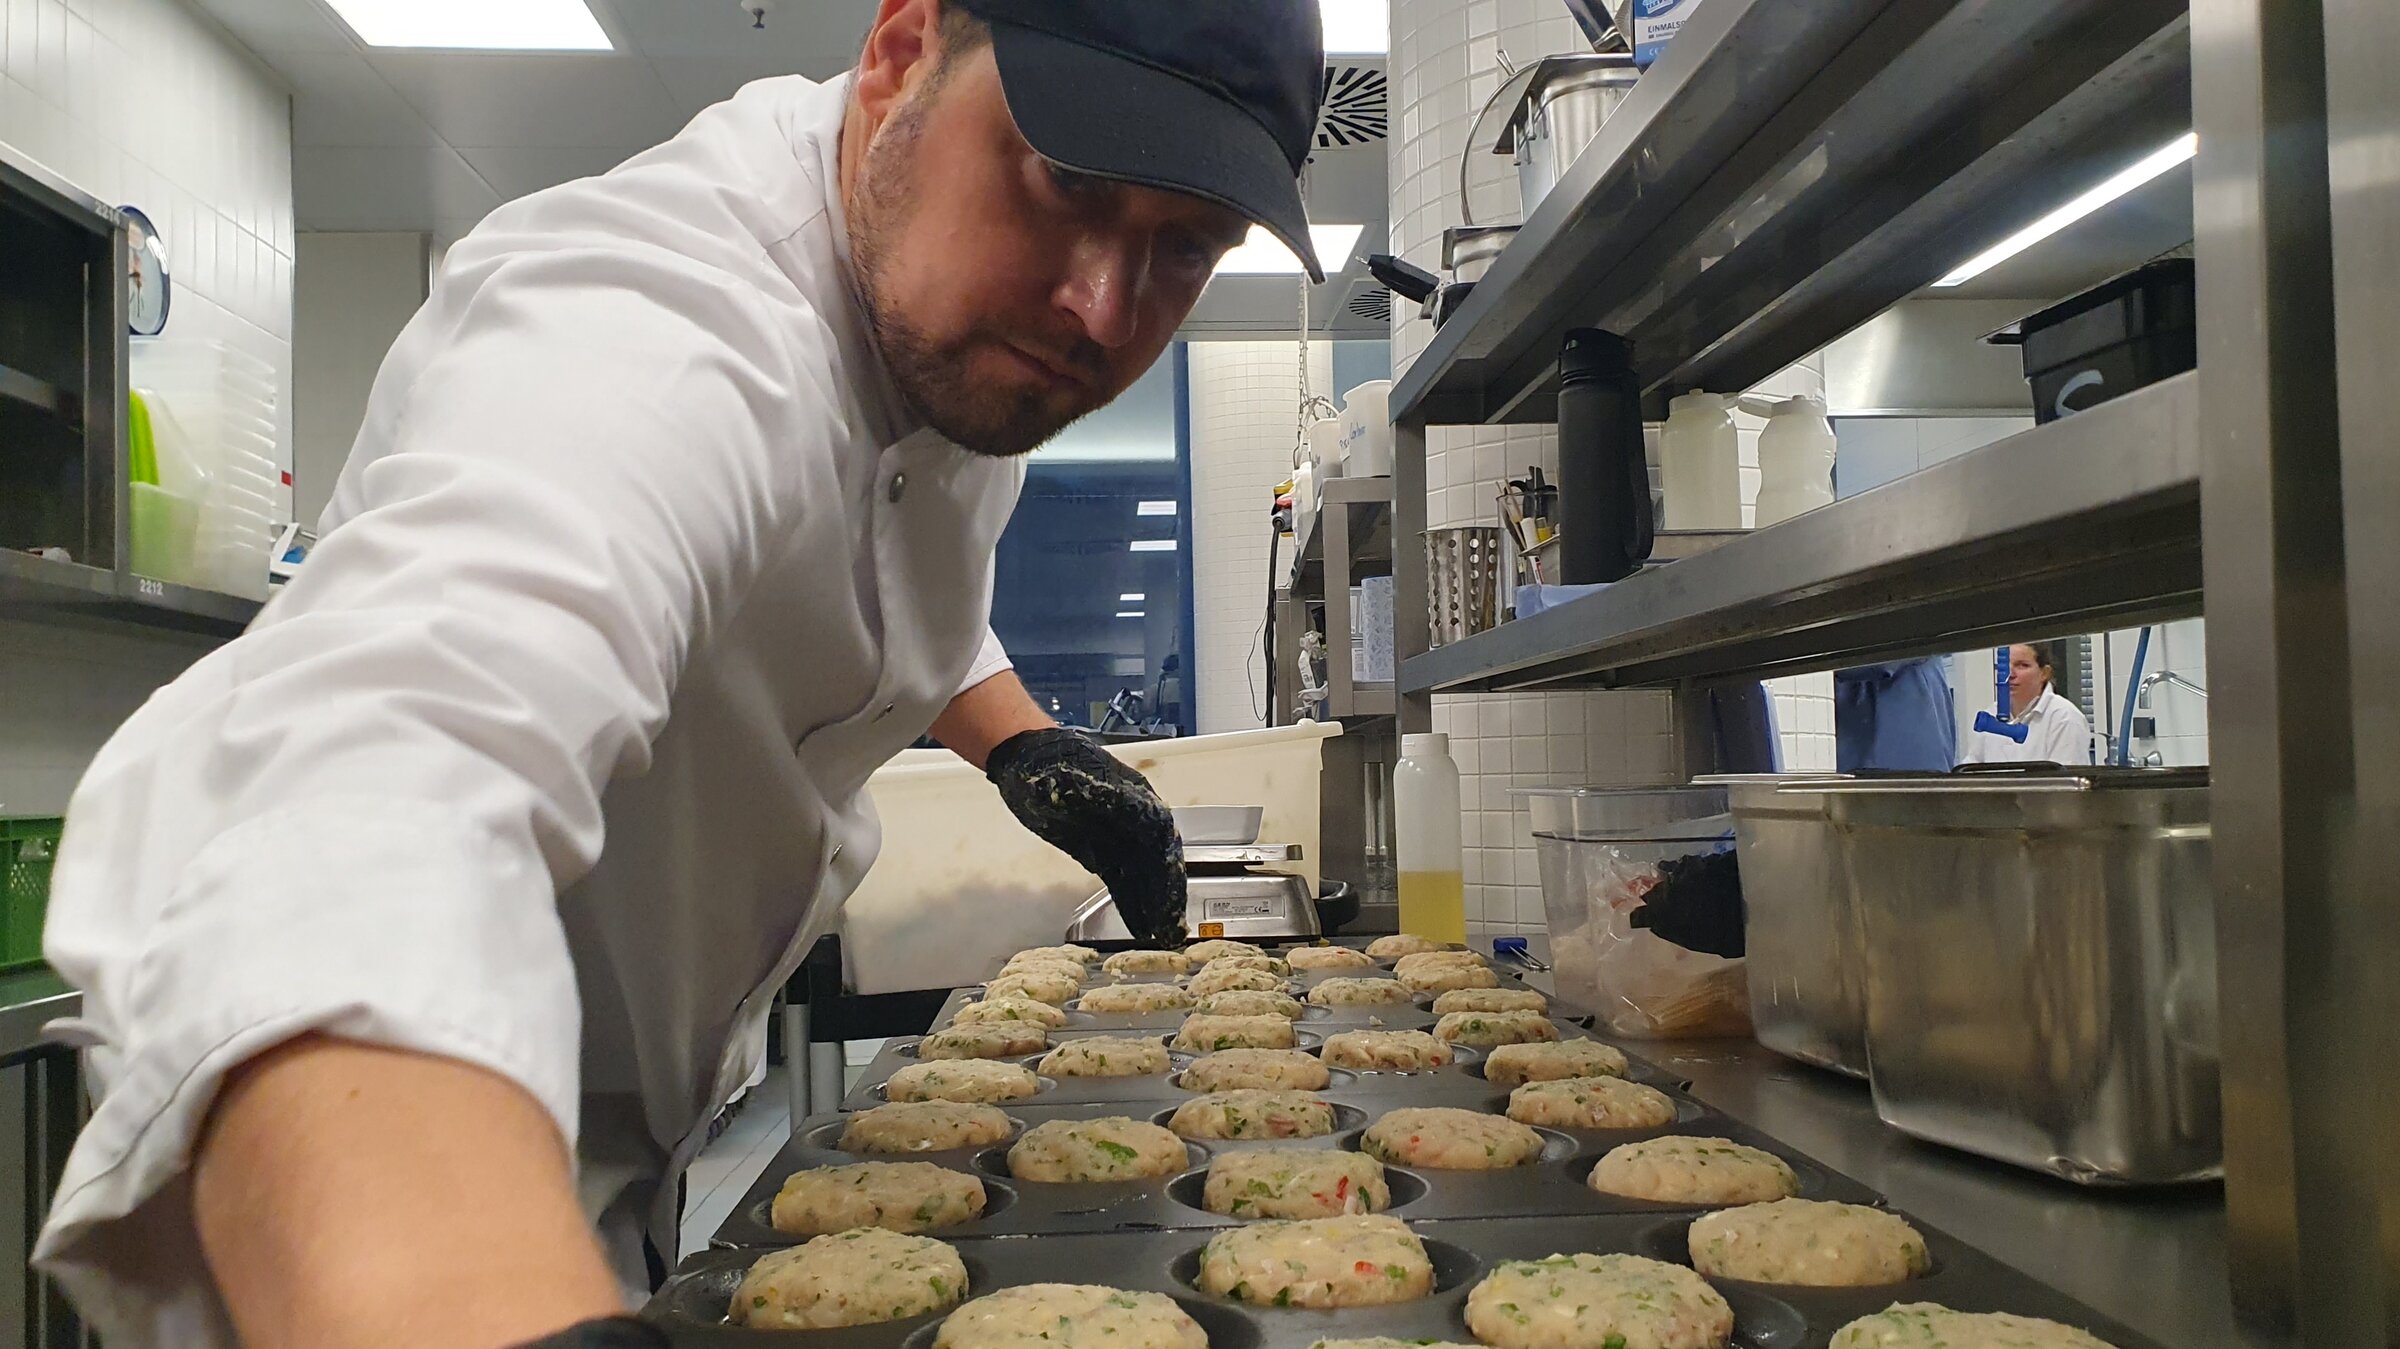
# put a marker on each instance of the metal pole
(2362, 50)
(2301, 1234)
(1412, 627)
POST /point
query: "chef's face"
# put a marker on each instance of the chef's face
(1009, 296)
(2025, 678)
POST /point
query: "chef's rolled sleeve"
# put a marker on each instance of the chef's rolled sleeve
(356, 818)
(992, 659)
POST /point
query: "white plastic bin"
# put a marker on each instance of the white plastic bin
(960, 884)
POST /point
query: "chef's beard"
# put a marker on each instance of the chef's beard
(932, 374)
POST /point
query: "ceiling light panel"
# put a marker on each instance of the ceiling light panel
(1155, 508)
(1152, 545)
(1135, 598)
(475, 25)
(1131, 613)
(1357, 27)
(1262, 254)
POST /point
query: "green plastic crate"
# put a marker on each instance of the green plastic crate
(27, 848)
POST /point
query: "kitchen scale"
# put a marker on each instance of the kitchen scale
(1232, 890)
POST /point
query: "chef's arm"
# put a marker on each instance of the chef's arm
(339, 1185)
(977, 720)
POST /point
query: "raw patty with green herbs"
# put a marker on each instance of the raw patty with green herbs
(1295, 1183)
(1598, 1302)
(1080, 1151)
(991, 1040)
(901, 1196)
(1328, 958)
(1809, 1243)
(1134, 999)
(1252, 1002)
(1516, 1065)
(1203, 1034)
(925, 1126)
(1226, 978)
(1487, 1029)
(855, 1278)
(1217, 948)
(1070, 1316)
(1359, 1261)
(1147, 962)
(983, 1081)
(1591, 1103)
(1106, 1056)
(1685, 1169)
(1009, 1009)
(1924, 1325)
(1263, 1069)
(1445, 1138)
(1349, 991)
(1387, 1051)
(1252, 1114)
(1490, 1000)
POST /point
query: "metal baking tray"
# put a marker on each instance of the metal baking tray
(1467, 1066)
(692, 1306)
(1552, 1185)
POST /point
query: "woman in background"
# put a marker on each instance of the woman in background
(2055, 729)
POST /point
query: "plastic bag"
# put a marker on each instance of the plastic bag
(1641, 985)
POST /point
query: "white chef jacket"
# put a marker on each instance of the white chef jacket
(638, 547)
(2055, 732)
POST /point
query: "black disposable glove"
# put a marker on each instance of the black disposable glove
(1079, 799)
(1697, 904)
(617, 1332)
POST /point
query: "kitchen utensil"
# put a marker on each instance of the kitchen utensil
(1202, 826)
(1367, 430)
(1463, 572)
(1556, 107)
(1606, 523)
(2041, 965)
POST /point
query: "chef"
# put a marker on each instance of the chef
(2055, 729)
(423, 929)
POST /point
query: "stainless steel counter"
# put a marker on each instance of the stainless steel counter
(2152, 1258)
(29, 1000)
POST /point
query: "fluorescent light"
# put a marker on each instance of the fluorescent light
(1135, 598)
(2175, 152)
(480, 25)
(1155, 508)
(1153, 545)
(1131, 613)
(1262, 254)
(1357, 27)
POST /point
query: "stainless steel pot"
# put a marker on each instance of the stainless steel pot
(1556, 107)
(1468, 250)
(2041, 966)
(1807, 962)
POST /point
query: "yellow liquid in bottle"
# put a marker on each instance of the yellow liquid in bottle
(1433, 905)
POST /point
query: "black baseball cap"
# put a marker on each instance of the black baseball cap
(1216, 99)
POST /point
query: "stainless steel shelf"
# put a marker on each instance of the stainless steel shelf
(18, 387)
(1370, 528)
(37, 588)
(2083, 524)
(1787, 171)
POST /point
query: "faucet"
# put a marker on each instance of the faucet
(2141, 696)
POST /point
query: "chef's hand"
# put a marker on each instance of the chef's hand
(1697, 904)
(617, 1332)
(1078, 798)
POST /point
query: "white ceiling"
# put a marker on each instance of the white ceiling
(431, 141)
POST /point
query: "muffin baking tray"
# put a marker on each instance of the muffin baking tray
(693, 1305)
(1552, 1185)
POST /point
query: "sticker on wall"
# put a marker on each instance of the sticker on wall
(148, 292)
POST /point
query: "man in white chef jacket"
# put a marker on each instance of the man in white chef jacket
(424, 928)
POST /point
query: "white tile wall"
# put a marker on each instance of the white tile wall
(143, 102)
(1245, 400)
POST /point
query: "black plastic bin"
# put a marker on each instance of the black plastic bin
(2118, 336)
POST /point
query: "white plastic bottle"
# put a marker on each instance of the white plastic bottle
(1700, 464)
(1425, 818)
(1795, 457)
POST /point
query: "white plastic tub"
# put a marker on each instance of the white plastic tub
(960, 884)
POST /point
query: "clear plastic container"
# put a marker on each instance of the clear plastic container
(1427, 836)
(1600, 851)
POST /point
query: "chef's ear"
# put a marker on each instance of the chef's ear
(903, 49)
